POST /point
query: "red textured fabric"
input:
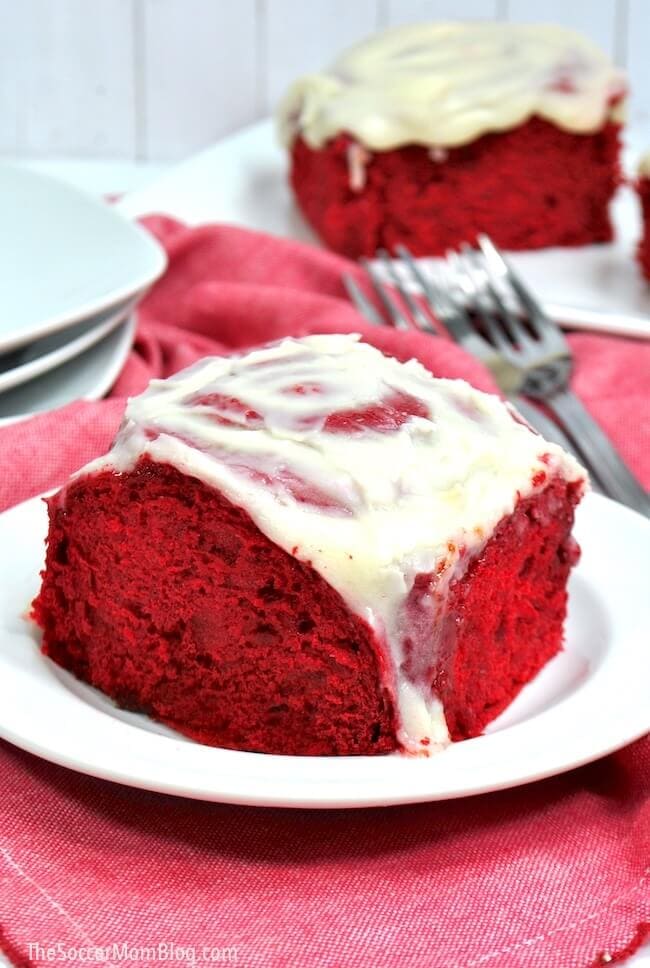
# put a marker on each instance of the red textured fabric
(643, 251)
(532, 186)
(551, 875)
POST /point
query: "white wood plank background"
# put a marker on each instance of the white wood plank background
(159, 79)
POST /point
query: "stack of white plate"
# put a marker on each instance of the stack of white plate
(72, 270)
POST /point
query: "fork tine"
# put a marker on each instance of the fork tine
(536, 315)
(360, 300)
(451, 312)
(510, 322)
(419, 316)
(398, 318)
(437, 299)
(494, 326)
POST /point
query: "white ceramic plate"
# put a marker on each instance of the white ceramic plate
(27, 362)
(588, 701)
(243, 180)
(64, 256)
(87, 376)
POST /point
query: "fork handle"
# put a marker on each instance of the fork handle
(598, 452)
(541, 423)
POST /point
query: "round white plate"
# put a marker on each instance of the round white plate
(243, 180)
(27, 362)
(88, 376)
(590, 700)
(66, 256)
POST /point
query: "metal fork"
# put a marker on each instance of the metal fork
(416, 318)
(487, 308)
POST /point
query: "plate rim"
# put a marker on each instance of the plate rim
(124, 335)
(237, 790)
(156, 256)
(24, 372)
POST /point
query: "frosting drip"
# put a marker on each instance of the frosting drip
(383, 478)
(445, 84)
(643, 168)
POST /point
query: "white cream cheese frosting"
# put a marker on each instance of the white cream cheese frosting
(445, 84)
(369, 469)
(643, 168)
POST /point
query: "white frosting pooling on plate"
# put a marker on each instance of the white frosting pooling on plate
(445, 84)
(369, 469)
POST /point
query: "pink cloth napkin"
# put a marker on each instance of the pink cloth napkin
(552, 875)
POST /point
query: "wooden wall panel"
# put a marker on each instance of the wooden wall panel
(67, 78)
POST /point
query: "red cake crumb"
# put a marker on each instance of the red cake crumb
(164, 595)
(643, 250)
(529, 187)
(512, 600)
(384, 417)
